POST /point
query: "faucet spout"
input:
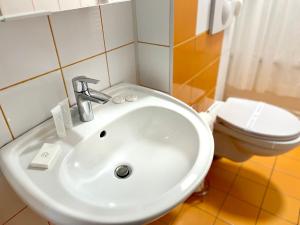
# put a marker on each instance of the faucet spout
(98, 97)
(84, 96)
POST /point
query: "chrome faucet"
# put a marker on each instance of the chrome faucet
(84, 96)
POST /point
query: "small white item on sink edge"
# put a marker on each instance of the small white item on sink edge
(59, 121)
(131, 98)
(45, 157)
(66, 113)
(118, 99)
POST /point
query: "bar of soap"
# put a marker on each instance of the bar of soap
(45, 157)
(118, 99)
(131, 98)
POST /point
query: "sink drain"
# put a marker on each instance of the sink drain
(123, 171)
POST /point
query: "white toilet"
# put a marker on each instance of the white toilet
(243, 128)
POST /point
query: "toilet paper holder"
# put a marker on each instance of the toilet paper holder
(223, 13)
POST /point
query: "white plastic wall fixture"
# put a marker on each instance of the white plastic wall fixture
(222, 14)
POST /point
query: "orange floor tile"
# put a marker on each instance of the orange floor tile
(260, 191)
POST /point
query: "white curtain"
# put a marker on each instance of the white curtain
(265, 54)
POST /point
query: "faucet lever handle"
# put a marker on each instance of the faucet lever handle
(80, 83)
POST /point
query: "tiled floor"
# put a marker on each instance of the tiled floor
(261, 191)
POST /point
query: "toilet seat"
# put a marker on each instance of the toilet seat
(257, 120)
(276, 147)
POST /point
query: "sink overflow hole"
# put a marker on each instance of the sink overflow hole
(123, 171)
(102, 134)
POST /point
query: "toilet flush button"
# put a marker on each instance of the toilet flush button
(118, 99)
(45, 157)
(131, 98)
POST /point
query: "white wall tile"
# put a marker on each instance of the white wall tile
(154, 67)
(78, 34)
(117, 24)
(94, 68)
(153, 21)
(28, 217)
(4, 132)
(69, 4)
(10, 7)
(47, 5)
(122, 65)
(203, 16)
(27, 50)
(86, 3)
(28, 104)
(10, 203)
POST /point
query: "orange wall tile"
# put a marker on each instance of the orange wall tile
(204, 103)
(185, 18)
(205, 81)
(195, 59)
(193, 56)
(183, 92)
(202, 85)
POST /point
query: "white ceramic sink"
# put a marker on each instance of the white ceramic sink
(165, 143)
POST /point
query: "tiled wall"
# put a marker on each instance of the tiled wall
(43, 54)
(196, 54)
(11, 7)
(154, 22)
(40, 56)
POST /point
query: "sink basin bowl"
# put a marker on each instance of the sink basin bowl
(132, 164)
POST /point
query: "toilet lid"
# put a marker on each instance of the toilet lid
(259, 119)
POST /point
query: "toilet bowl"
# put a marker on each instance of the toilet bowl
(243, 128)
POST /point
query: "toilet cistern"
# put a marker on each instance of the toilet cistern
(85, 95)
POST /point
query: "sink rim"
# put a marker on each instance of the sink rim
(36, 197)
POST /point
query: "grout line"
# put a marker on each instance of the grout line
(53, 39)
(65, 85)
(7, 123)
(244, 177)
(136, 55)
(277, 216)
(241, 200)
(198, 100)
(149, 43)
(199, 73)
(104, 42)
(193, 37)
(29, 79)
(58, 59)
(265, 193)
(63, 67)
(94, 56)
(121, 46)
(265, 185)
(287, 173)
(227, 194)
(184, 42)
(82, 60)
(71, 64)
(225, 222)
(18, 212)
(176, 216)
